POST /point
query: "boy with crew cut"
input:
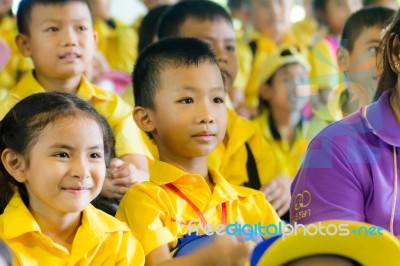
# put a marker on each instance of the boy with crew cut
(359, 57)
(244, 157)
(186, 115)
(58, 36)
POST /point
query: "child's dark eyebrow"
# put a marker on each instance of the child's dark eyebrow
(67, 147)
(59, 21)
(189, 88)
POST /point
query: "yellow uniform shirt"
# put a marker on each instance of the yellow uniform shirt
(264, 47)
(158, 216)
(100, 240)
(18, 63)
(113, 108)
(245, 60)
(324, 66)
(118, 45)
(289, 157)
(230, 157)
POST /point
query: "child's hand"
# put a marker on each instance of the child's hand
(229, 251)
(120, 177)
(277, 192)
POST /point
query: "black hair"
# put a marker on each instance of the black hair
(5, 254)
(364, 18)
(372, 2)
(176, 15)
(167, 53)
(232, 4)
(23, 124)
(25, 8)
(388, 79)
(149, 25)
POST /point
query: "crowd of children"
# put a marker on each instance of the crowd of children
(205, 128)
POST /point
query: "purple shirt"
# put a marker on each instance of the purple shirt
(348, 172)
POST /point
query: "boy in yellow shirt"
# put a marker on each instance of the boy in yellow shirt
(244, 157)
(180, 101)
(17, 65)
(59, 37)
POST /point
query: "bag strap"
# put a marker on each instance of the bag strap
(252, 172)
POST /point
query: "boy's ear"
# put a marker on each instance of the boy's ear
(23, 44)
(343, 59)
(143, 118)
(266, 92)
(96, 38)
(14, 164)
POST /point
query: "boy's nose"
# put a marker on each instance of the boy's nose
(70, 38)
(204, 115)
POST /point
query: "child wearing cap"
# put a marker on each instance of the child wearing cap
(359, 57)
(284, 93)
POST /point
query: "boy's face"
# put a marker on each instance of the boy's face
(190, 114)
(150, 4)
(100, 8)
(61, 41)
(289, 90)
(219, 34)
(338, 11)
(271, 15)
(5, 6)
(361, 63)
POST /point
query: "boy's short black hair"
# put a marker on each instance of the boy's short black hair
(170, 53)
(364, 18)
(26, 6)
(176, 15)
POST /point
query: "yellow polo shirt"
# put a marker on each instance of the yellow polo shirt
(113, 108)
(157, 216)
(18, 63)
(230, 157)
(288, 157)
(118, 45)
(100, 240)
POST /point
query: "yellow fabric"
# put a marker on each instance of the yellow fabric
(230, 157)
(362, 243)
(288, 157)
(157, 216)
(324, 66)
(100, 240)
(245, 59)
(117, 113)
(18, 64)
(308, 28)
(265, 46)
(118, 45)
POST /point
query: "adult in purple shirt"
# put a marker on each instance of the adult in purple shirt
(352, 167)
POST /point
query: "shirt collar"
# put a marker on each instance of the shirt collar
(381, 121)
(18, 220)
(29, 85)
(162, 173)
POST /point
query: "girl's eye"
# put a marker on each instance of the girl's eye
(62, 155)
(82, 28)
(230, 48)
(218, 100)
(95, 155)
(186, 101)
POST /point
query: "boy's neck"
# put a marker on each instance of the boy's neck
(276, 37)
(196, 165)
(61, 85)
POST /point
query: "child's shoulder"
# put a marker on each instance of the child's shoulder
(102, 222)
